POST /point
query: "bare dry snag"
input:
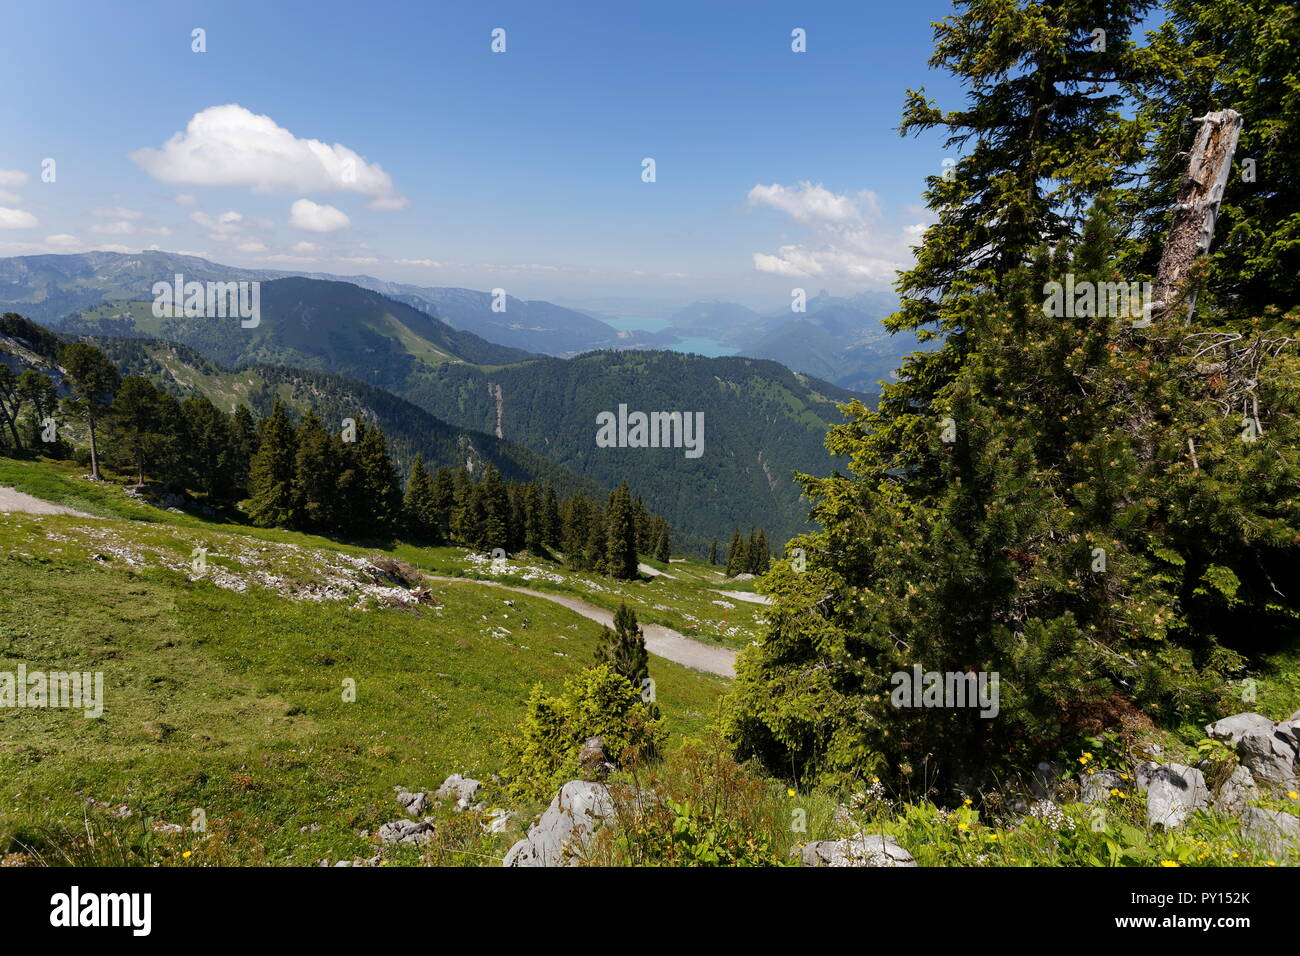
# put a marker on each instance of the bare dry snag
(1192, 228)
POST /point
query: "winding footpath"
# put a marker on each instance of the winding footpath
(659, 640)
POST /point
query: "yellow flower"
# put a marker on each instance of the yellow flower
(1168, 863)
(185, 855)
(1271, 863)
(1293, 795)
(962, 826)
(875, 780)
(993, 836)
(789, 792)
(1114, 792)
(966, 801)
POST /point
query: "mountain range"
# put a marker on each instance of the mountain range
(333, 345)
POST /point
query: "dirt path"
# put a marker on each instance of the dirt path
(659, 640)
(749, 597)
(13, 500)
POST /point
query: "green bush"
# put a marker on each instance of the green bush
(598, 702)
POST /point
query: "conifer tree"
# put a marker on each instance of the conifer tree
(624, 647)
(736, 556)
(551, 532)
(93, 379)
(380, 490)
(620, 535)
(315, 482)
(421, 516)
(444, 502)
(713, 551)
(663, 546)
(271, 473)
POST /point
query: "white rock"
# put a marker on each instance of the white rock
(864, 849)
(1173, 793)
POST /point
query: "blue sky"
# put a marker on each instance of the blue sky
(519, 169)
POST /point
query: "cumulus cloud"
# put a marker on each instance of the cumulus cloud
(17, 219)
(232, 146)
(427, 263)
(317, 217)
(806, 202)
(13, 178)
(62, 241)
(251, 245)
(848, 236)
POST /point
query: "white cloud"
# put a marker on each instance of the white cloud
(316, 217)
(359, 260)
(185, 199)
(427, 263)
(17, 219)
(847, 236)
(7, 197)
(306, 247)
(13, 177)
(806, 202)
(62, 241)
(119, 228)
(223, 226)
(232, 146)
(283, 257)
(251, 245)
(114, 248)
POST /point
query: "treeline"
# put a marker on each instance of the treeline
(300, 475)
(746, 556)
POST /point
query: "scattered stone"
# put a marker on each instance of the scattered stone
(864, 849)
(309, 828)
(1096, 787)
(458, 788)
(1276, 830)
(1230, 730)
(414, 803)
(1236, 793)
(562, 834)
(1173, 793)
(167, 829)
(406, 831)
(498, 820)
(593, 762)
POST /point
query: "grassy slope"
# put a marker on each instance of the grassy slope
(232, 701)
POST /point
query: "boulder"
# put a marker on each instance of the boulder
(414, 803)
(563, 833)
(458, 788)
(1274, 830)
(1173, 793)
(1230, 730)
(1289, 731)
(1236, 793)
(1143, 773)
(498, 820)
(1270, 758)
(1096, 787)
(592, 759)
(418, 832)
(864, 849)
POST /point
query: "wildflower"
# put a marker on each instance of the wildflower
(186, 855)
(963, 827)
(1168, 863)
(789, 792)
(1293, 795)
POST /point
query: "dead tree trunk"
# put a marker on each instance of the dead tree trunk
(1192, 229)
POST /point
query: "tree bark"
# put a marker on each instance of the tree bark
(1192, 228)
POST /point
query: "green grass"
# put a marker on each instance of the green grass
(233, 702)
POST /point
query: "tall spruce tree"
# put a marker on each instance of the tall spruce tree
(93, 379)
(420, 507)
(271, 472)
(620, 535)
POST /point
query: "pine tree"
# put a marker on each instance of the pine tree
(494, 499)
(380, 490)
(713, 551)
(419, 508)
(624, 647)
(316, 505)
(663, 545)
(620, 536)
(271, 473)
(139, 424)
(736, 556)
(444, 502)
(552, 538)
(93, 379)
(243, 446)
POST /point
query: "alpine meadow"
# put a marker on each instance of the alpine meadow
(805, 435)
